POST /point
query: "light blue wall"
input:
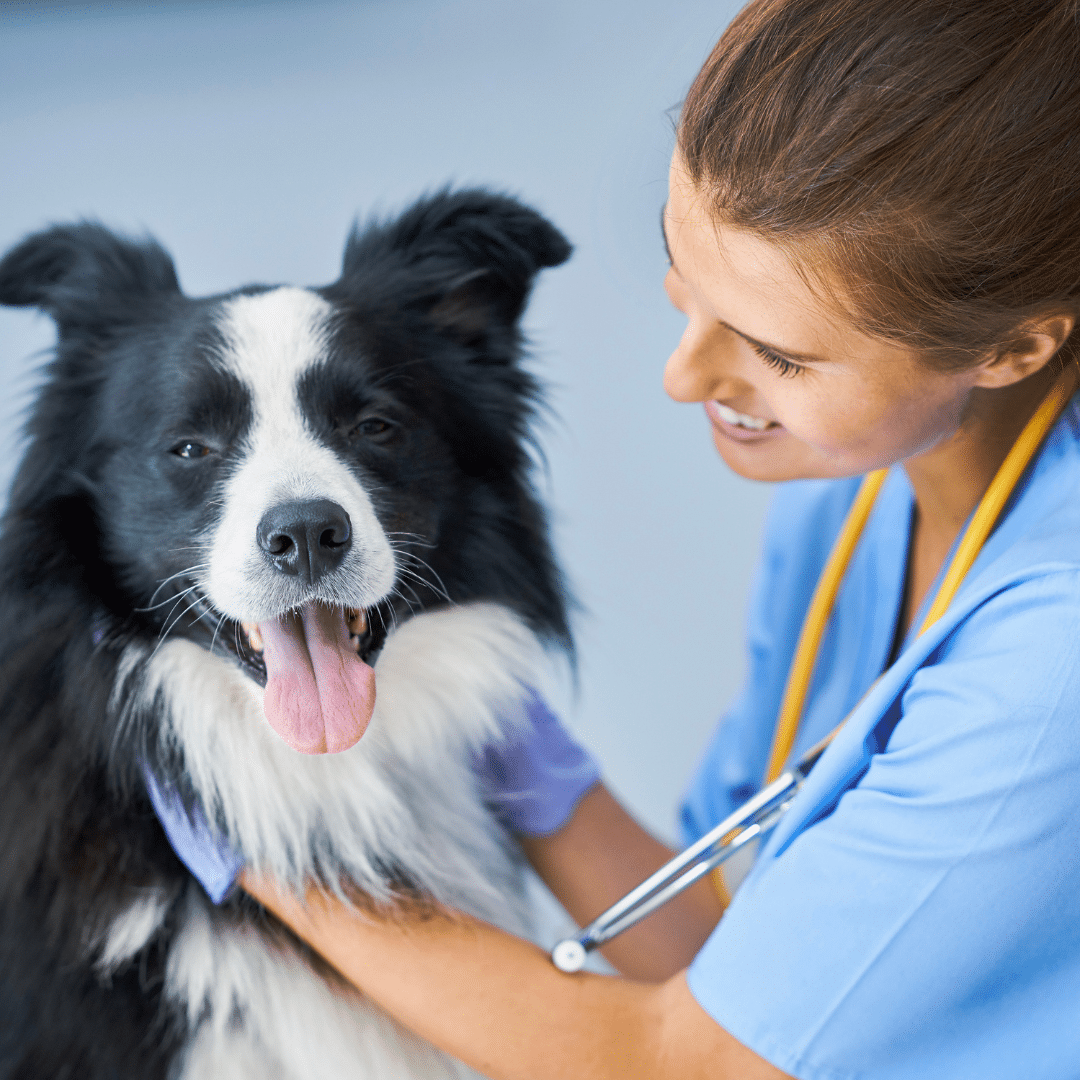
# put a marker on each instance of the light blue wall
(246, 137)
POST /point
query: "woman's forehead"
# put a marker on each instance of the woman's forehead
(722, 250)
(746, 283)
(750, 283)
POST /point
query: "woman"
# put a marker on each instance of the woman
(874, 231)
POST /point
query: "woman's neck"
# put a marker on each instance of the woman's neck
(949, 480)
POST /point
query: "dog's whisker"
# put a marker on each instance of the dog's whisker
(172, 577)
(217, 630)
(172, 599)
(170, 626)
(404, 573)
(441, 590)
(382, 613)
(208, 610)
(397, 592)
(168, 629)
(416, 540)
(176, 602)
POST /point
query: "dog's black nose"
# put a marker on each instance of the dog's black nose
(306, 537)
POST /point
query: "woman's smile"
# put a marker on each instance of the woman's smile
(740, 426)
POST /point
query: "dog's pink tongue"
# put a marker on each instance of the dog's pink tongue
(319, 693)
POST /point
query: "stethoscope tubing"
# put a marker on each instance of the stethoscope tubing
(752, 820)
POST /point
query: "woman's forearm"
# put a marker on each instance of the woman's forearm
(479, 993)
(597, 857)
(497, 1003)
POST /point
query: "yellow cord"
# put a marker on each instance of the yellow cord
(998, 493)
(980, 527)
(817, 616)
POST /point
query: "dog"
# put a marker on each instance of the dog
(280, 548)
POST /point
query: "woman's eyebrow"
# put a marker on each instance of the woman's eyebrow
(663, 234)
(802, 358)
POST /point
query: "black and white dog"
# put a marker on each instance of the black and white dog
(247, 528)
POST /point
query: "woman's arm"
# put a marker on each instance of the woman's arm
(497, 1003)
(599, 855)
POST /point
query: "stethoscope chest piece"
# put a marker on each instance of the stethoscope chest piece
(569, 955)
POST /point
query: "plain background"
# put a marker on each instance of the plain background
(246, 138)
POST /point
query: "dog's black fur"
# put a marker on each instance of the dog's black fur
(103, 511)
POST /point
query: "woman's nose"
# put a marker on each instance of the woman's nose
(700, 368)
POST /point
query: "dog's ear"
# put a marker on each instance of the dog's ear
(83, 275)
(471, 257)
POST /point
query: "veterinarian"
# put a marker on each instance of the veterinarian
(874, 230)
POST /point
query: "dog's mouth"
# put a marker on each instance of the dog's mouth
(355, 620)
(320, 691)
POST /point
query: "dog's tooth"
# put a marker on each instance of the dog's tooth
(254, 637)
(357, 621)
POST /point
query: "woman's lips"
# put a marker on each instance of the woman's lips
(738, 426)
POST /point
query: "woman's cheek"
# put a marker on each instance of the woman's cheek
(817, 419)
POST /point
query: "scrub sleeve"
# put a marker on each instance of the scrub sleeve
(917, 913)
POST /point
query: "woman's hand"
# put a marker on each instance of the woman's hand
(497, 1003)
(534, 778)
(207, 854)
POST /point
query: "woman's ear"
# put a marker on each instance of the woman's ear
(1035, 344)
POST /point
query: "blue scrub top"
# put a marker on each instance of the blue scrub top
(917, 913)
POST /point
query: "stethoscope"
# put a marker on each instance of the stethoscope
(758, 815)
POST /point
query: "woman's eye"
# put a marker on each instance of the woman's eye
(191, 450)
(784, 366)
(372, 427)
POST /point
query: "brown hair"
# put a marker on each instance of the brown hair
(924, 153)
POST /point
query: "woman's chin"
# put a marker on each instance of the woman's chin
(773, 456)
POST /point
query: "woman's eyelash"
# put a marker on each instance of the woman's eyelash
(784, 366)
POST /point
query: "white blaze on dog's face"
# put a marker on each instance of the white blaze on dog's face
(298, 543)
(272, 339)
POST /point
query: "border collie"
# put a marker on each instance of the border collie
(235, 517)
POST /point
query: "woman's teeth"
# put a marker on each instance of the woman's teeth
(739, 419)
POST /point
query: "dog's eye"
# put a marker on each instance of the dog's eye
(191, 450)
(372, 428)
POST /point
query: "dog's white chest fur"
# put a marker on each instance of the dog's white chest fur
(261, 1011)
(403, 799)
